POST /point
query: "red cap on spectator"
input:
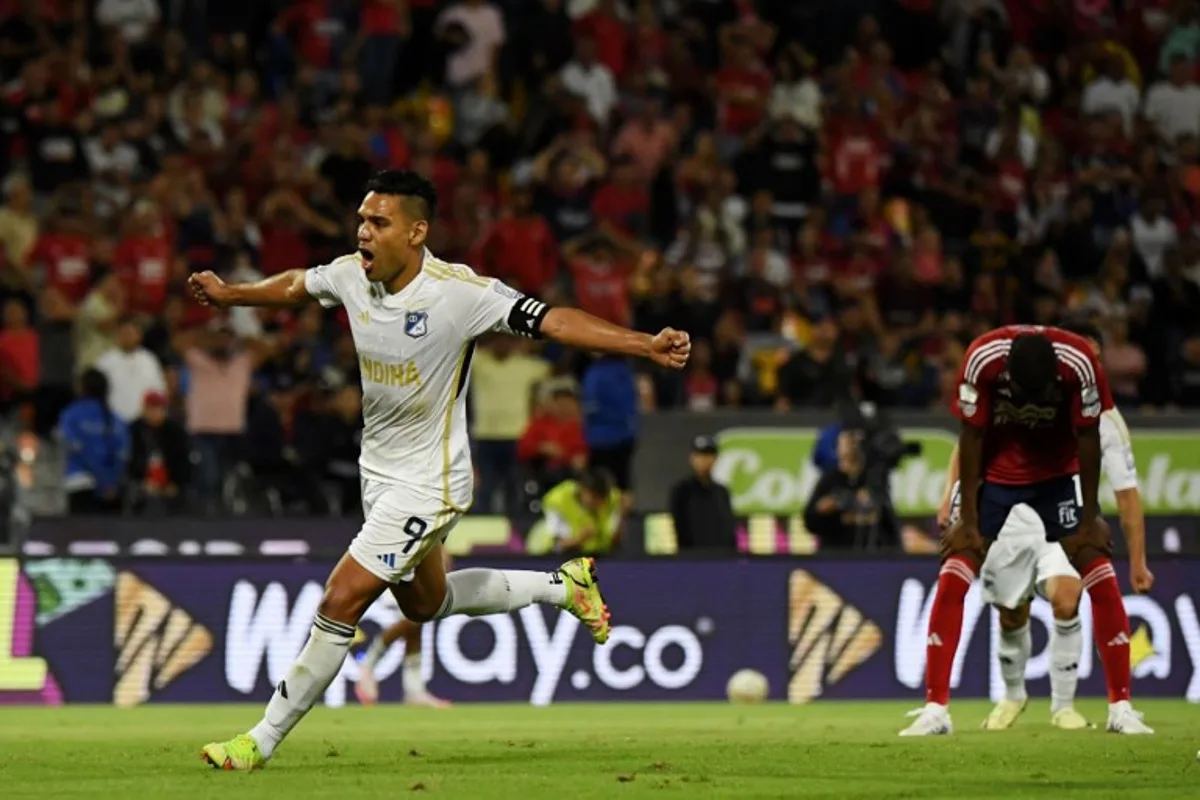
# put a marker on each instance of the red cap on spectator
(154, 398)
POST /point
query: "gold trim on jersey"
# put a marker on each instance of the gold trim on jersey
(452, 400)
(355, 256)
(444, 271)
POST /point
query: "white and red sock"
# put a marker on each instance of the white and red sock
(1110, 626)
(945, 627)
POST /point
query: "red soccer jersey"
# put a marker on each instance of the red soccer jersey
(144, 266)
(65, 257)
(602, 289)
(624, 207)
(856, 159)
(736, 115)
(522, 250)
(1030, 443)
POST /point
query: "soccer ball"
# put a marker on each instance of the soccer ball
(747, 686)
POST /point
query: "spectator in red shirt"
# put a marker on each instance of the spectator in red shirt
(601, 270)
(321, 29)
(19, 363)
(435, 165)
(743, 87)
(520, 248)
(62, 257)
(622, 205)
(649, 41)
(287, 219)
(278, 123)
(384, 25)
(553, 446)
(856, 155)
(611, 35)
(143, 259)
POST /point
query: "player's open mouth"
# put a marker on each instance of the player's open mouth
(367, 258)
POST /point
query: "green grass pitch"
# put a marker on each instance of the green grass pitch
(829, 749)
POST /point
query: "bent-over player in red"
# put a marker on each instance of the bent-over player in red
(1030, 400)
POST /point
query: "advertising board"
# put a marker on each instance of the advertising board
(132, 632)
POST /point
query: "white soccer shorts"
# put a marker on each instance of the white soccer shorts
(398, 531)
(1021, 561)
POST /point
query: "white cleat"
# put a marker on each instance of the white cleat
(1004, 715)
(932, 720)
(1068, 719)
(1123, 719)
(366, 689)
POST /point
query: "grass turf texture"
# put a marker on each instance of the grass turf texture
(831, 749)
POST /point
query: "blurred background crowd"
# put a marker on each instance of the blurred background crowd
(832, 197)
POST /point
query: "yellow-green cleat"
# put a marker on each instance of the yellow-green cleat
(583, 596)
(1068, 719)
(1004, 715)
(240, 752)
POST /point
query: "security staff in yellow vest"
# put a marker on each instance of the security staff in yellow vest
(584, 515)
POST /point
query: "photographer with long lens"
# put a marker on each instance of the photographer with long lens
(851, 505)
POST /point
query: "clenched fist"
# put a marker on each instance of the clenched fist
(208, 289)
(671, 348)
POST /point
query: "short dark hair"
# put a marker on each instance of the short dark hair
(93, 384)
(1032, 363)
(409, 185)
(1083, 328)
(597, 480)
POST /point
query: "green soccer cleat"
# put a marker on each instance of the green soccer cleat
(1068, 719)
(1004, 715)
(583, 596)
(240, 752)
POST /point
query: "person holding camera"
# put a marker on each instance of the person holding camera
(845, 509)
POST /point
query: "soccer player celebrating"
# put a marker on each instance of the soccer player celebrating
(1015, 645)
(415, 319)
(1030, 400)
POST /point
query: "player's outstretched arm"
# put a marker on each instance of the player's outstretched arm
(570, 326)
(285, 290)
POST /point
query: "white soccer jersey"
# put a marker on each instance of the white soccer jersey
(1116, 448)
(414, 351)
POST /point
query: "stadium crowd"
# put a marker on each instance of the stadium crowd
(833, 198)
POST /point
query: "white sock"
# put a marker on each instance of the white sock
(374, 652)
(1014, 650)
(305, 682)
(477, 592)
(410, 675)
(1066, 648)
